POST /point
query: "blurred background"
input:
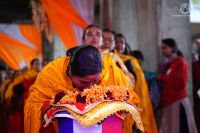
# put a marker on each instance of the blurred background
(45, 29)
(29, 28)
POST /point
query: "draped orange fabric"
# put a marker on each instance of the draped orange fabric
(13, 52)
(53, 79)
(9, 56)
(32, 34)
(142, 91)
(62, 16)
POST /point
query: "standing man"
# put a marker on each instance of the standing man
(196, 84)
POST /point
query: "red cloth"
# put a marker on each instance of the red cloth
(15, 123)
(49, 129)
(27, 84)
(174, 81)
(196, 74)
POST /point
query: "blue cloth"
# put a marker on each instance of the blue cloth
(154, 88)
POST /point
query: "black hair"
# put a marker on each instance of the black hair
(127, 49)
(108, 30)
(34, 60)
(2, 68)
(121, 35)
(127, 46)
(70, 51)
(170, 43)
(89, 26)
(179, 53)
(85, 60)
(137, 54)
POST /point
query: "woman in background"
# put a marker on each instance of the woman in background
(176, 113)
(141, 87)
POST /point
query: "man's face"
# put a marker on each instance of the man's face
(36, 66)
(93, 36)
(108, 41)
(120, 44)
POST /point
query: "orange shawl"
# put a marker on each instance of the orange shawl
(53, 79)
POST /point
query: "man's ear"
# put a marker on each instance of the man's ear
(70, 70)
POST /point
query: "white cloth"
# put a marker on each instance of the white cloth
(170, 117)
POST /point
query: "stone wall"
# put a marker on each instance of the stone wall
(146, 22)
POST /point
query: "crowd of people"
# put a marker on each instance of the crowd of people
(13, 94)
(105, 58)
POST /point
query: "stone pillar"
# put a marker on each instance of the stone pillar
(148, 32)
(59, 48)
(107, 12)
(120, 16)
(175, 24)
(48, 49)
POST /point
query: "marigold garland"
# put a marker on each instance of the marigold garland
(97, 93)
(69, 98)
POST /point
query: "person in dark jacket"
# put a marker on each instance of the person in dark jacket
(196, 84)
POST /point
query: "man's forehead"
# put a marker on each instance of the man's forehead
(93, 29)
(108, 33)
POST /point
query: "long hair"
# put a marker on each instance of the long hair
(170, 42)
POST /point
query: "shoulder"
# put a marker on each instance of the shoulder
(58, 62)
(106, 58)
(60, 59)
(181, 62)
(57, 65)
